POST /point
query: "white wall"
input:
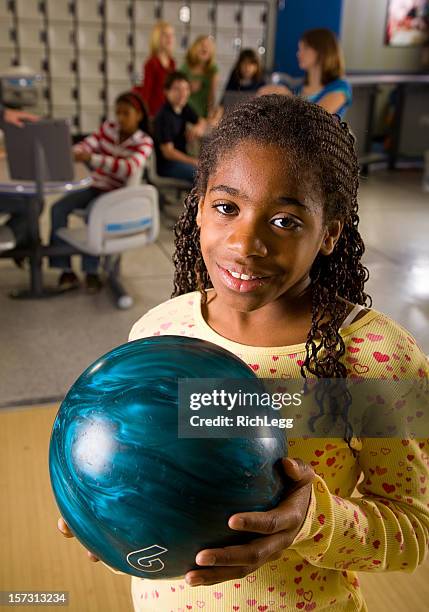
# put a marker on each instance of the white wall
(362, 38)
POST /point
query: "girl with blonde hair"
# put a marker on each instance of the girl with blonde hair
(156, 68)
(201, 70)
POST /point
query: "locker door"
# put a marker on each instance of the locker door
(228, 40)
(202, 19)
(88, 11)
(145, 13)
(171, 12)
(254, 26)
(58, 10)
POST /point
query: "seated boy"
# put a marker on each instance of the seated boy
(172, 133)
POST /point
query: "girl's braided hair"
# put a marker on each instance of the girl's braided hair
(321, 149)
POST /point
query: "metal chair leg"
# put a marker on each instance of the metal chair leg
(112, 267)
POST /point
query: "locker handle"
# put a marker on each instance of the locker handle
(42, 7)
(130, 40)
(102, 66)
(43, 36)
(12, 34)
(71, 7)
(74, 94)
(73, 65)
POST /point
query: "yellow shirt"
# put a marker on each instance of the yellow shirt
(386, 529)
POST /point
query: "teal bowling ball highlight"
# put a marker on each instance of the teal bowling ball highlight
(138, 497)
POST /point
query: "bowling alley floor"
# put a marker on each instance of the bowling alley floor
(34, 556)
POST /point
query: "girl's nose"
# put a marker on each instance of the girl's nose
(245, 241)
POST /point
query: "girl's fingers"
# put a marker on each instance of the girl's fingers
(297, 470)
(215, 575)
(254, 554)
(92, 557)
(63, 527)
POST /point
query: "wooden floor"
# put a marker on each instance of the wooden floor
(34, 556)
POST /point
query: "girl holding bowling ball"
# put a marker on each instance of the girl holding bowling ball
(268, 266)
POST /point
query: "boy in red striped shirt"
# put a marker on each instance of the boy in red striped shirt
(117, 153)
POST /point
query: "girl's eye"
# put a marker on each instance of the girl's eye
(286, 223)
(224, 208)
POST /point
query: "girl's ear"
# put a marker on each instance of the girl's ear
(331, 236)
(200, 211)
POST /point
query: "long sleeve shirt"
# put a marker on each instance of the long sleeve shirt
(384, 528)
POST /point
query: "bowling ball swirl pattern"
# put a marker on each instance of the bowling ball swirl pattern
(133, 493)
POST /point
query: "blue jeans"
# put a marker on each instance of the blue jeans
(177, 169)
(59, 218)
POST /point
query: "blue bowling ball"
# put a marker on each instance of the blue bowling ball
(136, 495)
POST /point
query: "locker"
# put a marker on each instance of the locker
(144, 13)
(4, 10)
(117, 38)
(228, 43)
(59, 10)
(118, 66)
(253, 39)
(198, 31)
(6, 27)
(142, 39)
(28, 9)
(116, 88)
(226, 15)
(254, 15)
(90, 64)
(62, 92)
(183, 40)
(30, 34)
(60, 64)
(60, 37)
(170, 12)
(89, 38)
(60, 111)
(202, 14)
(32, 58)
(90, 93)
(88, 11)
(90, 120)
(117, 11)
(6, 59)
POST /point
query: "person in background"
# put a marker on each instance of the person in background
(14, 232)
(159, 64)
(202, 72)
(247, 73)
(117, 153)
(320, 56)
(172, 132)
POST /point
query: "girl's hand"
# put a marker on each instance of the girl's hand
(64, 528)
(80, 155)
(279, 528)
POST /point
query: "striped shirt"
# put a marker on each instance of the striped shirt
(116, 164)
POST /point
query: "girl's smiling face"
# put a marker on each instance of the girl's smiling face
(259, 221)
